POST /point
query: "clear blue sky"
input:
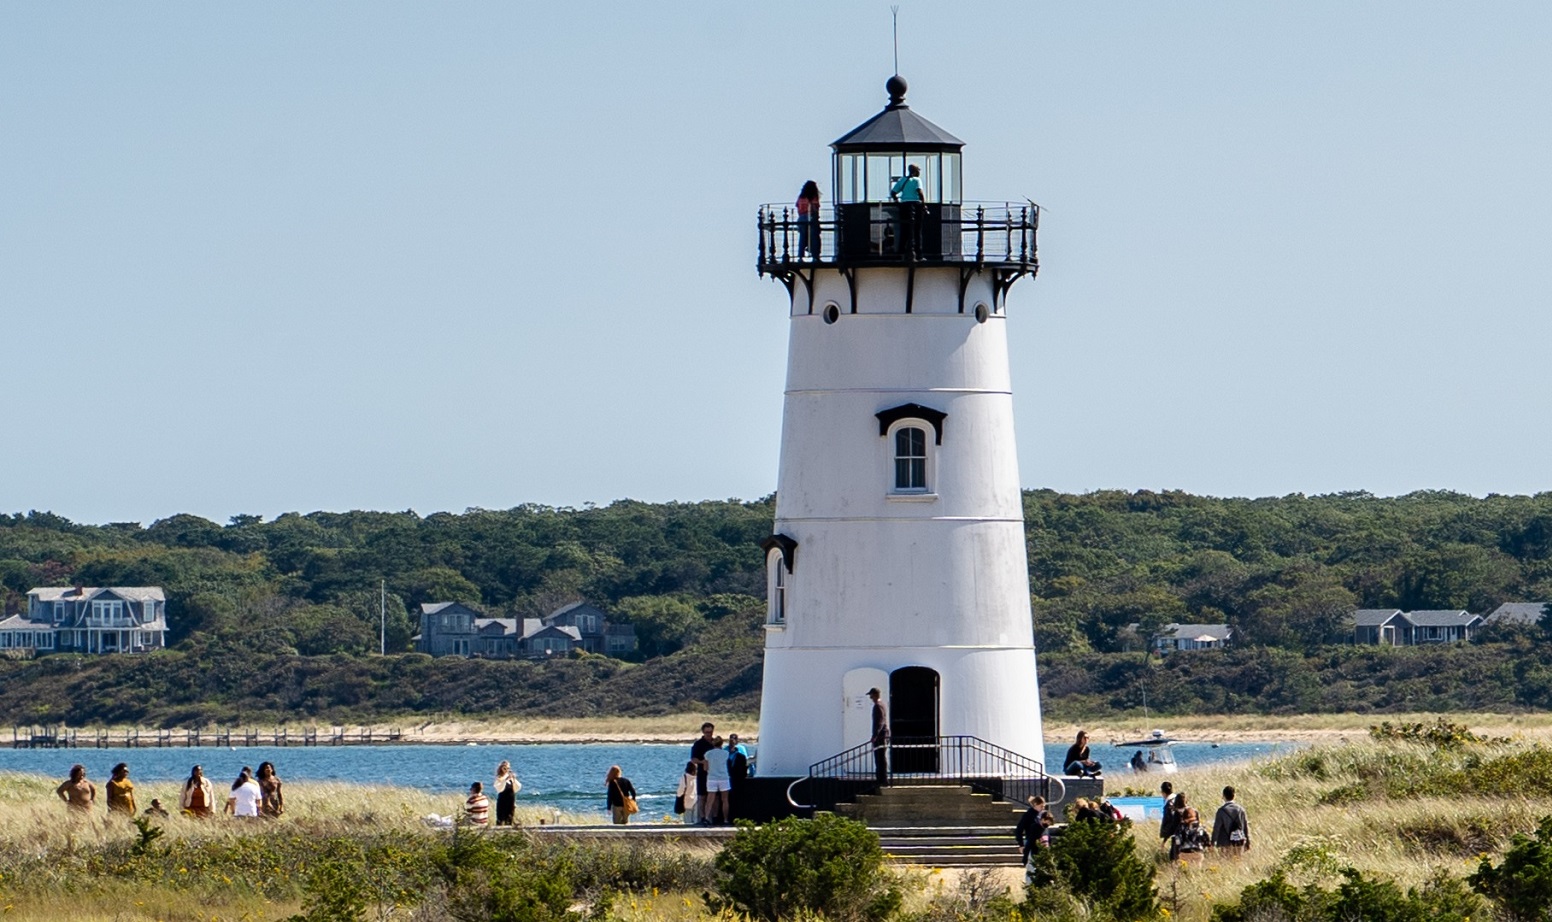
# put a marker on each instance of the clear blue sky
(295, 256)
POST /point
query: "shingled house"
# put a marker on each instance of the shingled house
(455, 629)
(85, 619)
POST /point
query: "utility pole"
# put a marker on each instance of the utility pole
(382, 620)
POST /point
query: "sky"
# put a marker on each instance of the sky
(297, 256)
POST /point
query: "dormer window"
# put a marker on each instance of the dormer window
(913, 433)
(780, 553)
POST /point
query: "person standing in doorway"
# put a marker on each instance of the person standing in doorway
(1231, 827)
(698, 755)
(907, 191)
(880, 738)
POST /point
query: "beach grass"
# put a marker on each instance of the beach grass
(1399, 811)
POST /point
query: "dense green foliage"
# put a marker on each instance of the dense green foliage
(1098, 863)
(272, 618)
(827, 865)
(1442, 899)
(1522, 883)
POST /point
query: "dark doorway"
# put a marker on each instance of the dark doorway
(913, 720)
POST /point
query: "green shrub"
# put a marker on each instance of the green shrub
(1522, 884)
(509, 883)
(334, 894)
(1442, 734)
(1270, 900)
(1442, 899)
(826, 865)
(1098, 863)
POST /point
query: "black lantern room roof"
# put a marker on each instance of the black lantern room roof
(897, 128)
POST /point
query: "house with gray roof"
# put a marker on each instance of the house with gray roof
(455, 629)
(1517, 613)
(1430, 627)
(1192, 637)
(1384, 626)
(86, 619)
(1394, 627)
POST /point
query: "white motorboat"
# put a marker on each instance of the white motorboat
(1152, 754)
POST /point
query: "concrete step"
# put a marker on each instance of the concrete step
(930, 806)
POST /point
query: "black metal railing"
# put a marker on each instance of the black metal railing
(978, 233)
(963, 760)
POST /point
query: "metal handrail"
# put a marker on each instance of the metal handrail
(963, 760)
(996, 233)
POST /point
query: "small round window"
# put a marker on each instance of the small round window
(832, 313)
(982, 312)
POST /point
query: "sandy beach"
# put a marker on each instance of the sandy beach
(1304, 728)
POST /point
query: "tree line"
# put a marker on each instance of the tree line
(1285, 572)
(271, 620)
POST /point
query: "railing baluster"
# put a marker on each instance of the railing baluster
(980, 233)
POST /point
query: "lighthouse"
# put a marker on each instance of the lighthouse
(897, 559)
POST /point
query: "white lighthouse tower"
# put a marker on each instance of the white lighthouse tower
(898, 558)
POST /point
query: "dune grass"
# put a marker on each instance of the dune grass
(1393, 810)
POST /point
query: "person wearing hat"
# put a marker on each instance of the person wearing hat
(880, 738)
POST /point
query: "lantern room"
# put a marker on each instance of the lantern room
(864, 222)
(868, 162)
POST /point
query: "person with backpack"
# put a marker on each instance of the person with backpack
(1231, 827)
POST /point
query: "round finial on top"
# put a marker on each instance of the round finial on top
(896, 86)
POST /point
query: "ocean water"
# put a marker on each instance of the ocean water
(560, 776)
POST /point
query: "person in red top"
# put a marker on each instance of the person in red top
(808, 220)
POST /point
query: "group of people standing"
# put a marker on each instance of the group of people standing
(253, 794)
(709, 787)
(911, 215)
(1181, 827)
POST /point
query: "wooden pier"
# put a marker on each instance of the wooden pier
(62, 737)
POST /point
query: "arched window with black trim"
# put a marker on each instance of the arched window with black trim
(913, 433)
(910, 460)
(780, 553)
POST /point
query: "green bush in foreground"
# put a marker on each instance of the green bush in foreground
(1522, 884)
(1098, 863)
(1442, 899)
(827, 865)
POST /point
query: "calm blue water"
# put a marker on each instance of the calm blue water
(563, 776)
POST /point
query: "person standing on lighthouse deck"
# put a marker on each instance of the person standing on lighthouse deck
(880, 738)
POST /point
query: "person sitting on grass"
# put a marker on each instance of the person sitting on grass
(476, 809)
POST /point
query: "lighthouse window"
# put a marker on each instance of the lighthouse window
(910, 459)
(776, 578)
